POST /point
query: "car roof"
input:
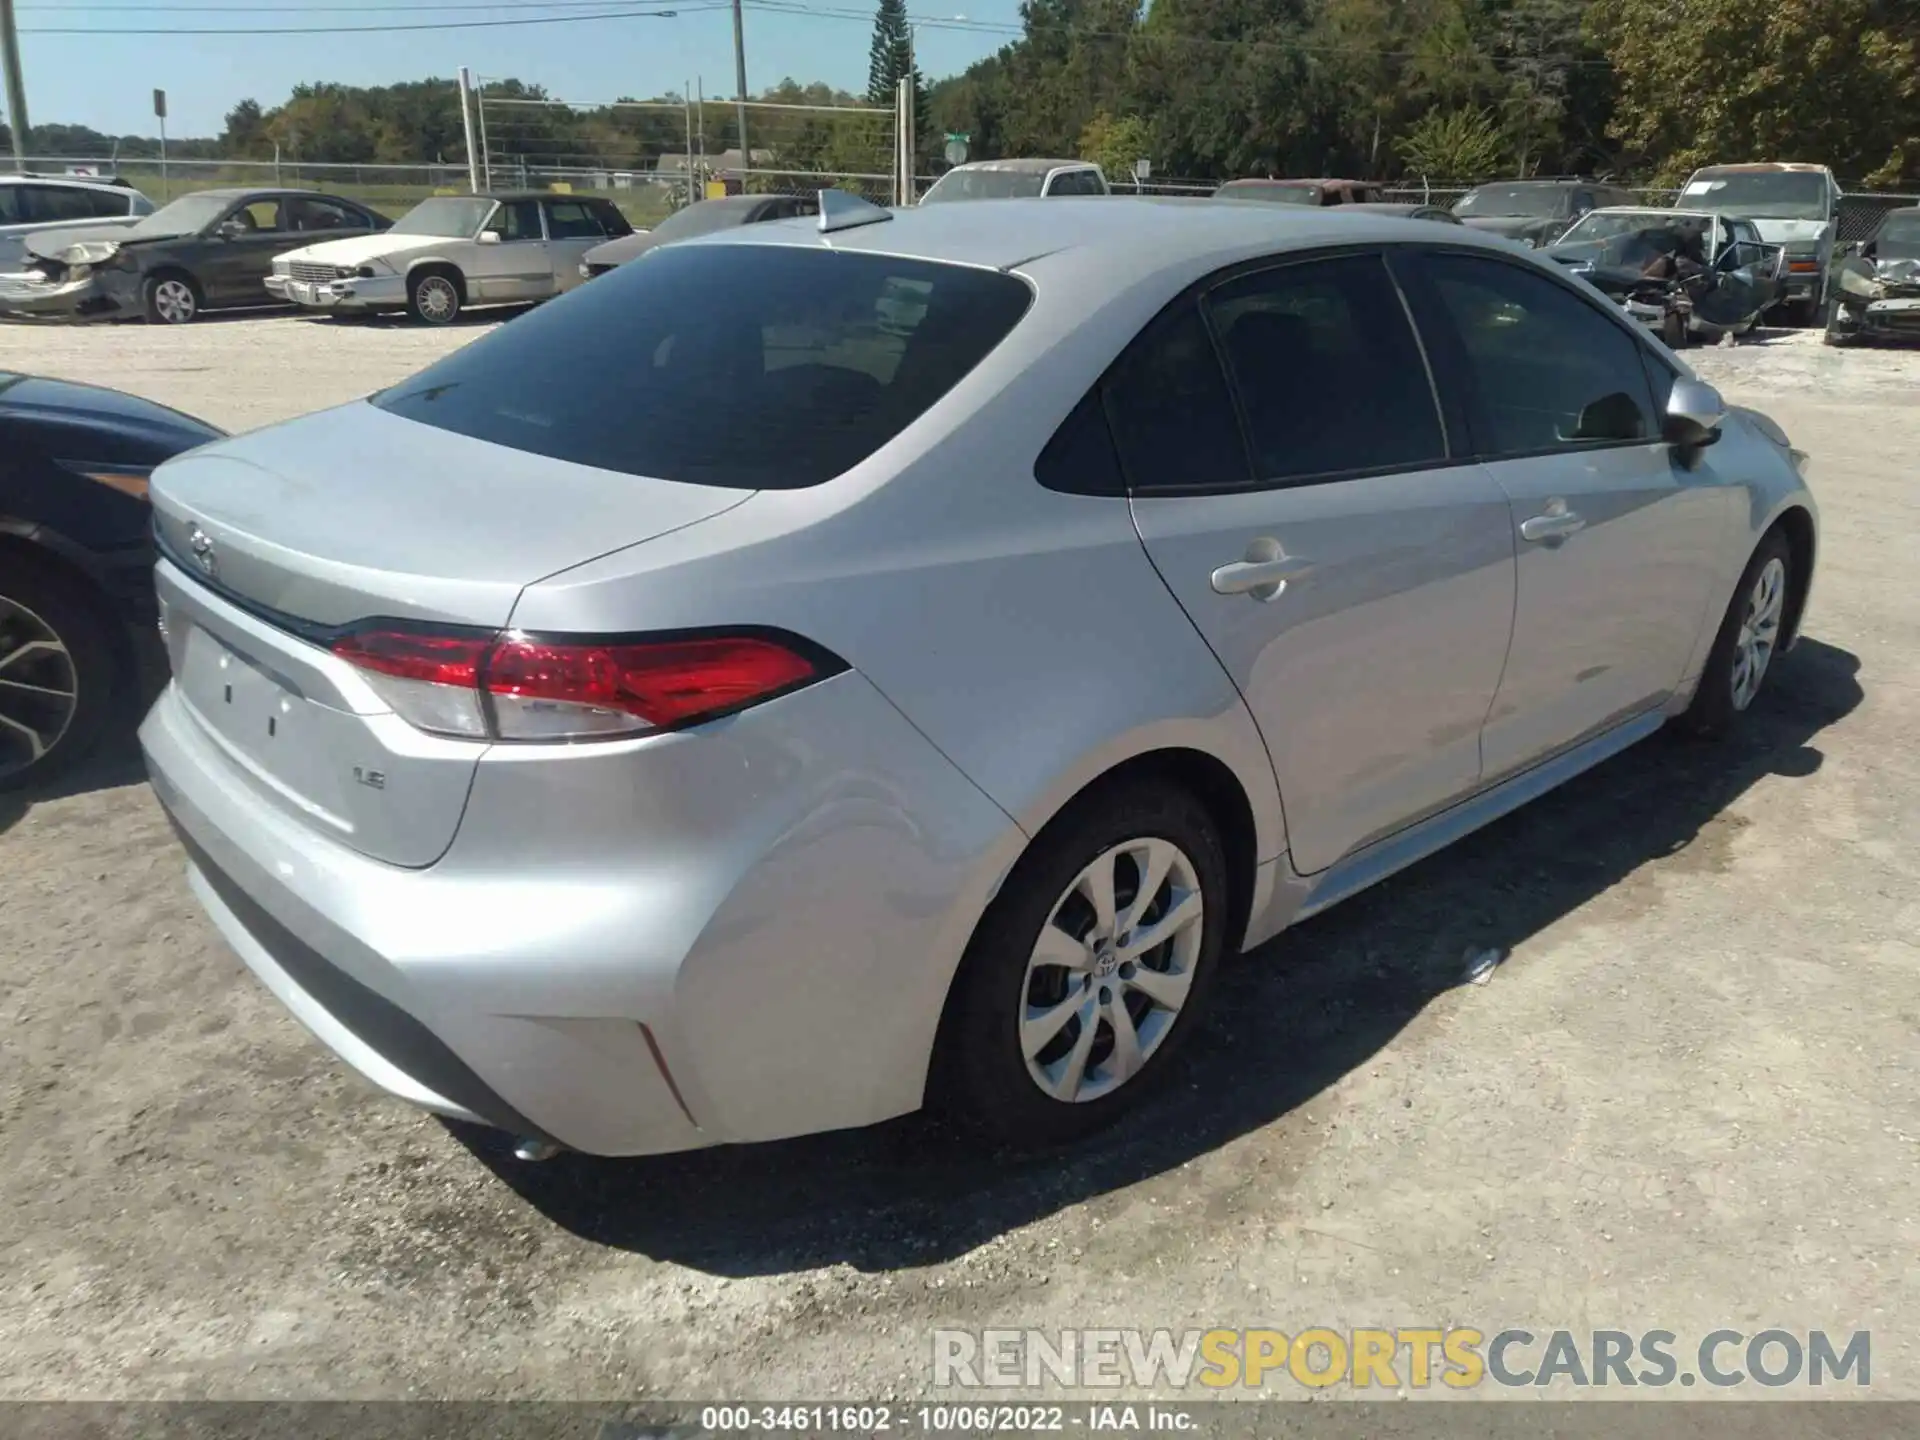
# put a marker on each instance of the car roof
(1157, 233)
(1030, 166)
(518, 195)
(1660, 210)
(77, 182)
(1292, 180)
(1765, 167)
(264, 192)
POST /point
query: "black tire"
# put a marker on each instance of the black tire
(172, 297)
(1716, 707)
(981, 1077)
(1802, 314)
(41, 600)
(435, 297)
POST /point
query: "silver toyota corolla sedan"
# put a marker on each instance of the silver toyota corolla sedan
(836, 666)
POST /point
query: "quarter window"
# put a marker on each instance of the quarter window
(1547, 370)
(1328, 372)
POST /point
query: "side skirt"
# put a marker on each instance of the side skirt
(1386, 857)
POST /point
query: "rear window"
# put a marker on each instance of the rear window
(746, 366)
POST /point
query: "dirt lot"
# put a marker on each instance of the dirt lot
(1689, 1099)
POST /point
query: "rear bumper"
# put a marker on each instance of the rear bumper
(735, 934)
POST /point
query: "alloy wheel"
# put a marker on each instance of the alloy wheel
(1111, 970)
(1759, 632)
(39, 688)
(173, 301)
(437, 299)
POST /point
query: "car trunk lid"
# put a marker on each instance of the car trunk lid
(277, 542)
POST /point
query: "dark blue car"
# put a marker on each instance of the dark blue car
(76, 560)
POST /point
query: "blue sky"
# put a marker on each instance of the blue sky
(106, 80)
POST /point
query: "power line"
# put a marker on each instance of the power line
(666, 14)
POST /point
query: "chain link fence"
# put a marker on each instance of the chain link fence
(653, 156)
(393, 189)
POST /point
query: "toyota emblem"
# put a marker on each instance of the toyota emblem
(202, 545)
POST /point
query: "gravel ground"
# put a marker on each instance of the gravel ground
(1686, 1100)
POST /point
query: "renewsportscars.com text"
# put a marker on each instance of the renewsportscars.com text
(1460, 1358)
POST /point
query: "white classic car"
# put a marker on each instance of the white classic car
(453, 251)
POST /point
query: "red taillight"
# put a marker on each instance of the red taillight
(411, 655)
(1803, 267)
(662, 682)
(526, 687)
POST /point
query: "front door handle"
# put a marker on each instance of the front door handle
(1558, 523)
(1263, 574)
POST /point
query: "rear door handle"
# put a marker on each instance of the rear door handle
(1263, 579)
(1558, 523)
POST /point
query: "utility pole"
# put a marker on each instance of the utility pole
(466, 124)
(17, 92)
(739, 89)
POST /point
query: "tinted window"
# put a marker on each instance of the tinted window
(750, 366)
(57, 202)
(1172, 417)
(1539, 202)
(1899, 237)
(315, 214)
(703, 217)
(572, 220)
(1547, 369)
(1328, 371)
(1075, 182)
(12, 205)
(1080, 457)
(517, 220)
(611, 220)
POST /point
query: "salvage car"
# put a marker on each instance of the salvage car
(1796, 206)
(206, 251)
(691, 713)
(1535, 212)
(451, 252)
(30, 203)
(1017, 180)
(699, 218)
(1877, 289)
(1685, 274)
(1300, 192)
(76, 561)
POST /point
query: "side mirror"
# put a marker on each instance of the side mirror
(489, 237)
(1694, 415)
(230, 230)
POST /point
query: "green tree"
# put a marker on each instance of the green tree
(1699, 81)
(890, 60)
(1114, 144)
(1453, 145)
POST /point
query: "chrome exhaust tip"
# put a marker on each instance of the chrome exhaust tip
(534, 1150)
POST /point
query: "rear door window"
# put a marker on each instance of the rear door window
(1329, 374)
(1170, 410)
(572, 220)
(61, 203)
(746, 366)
